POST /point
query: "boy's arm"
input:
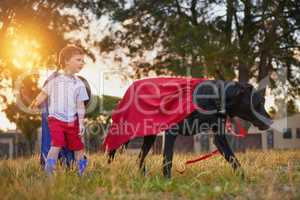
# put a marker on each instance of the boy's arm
(81, 113)
(42, 96)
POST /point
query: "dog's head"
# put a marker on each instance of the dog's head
(245, 102)
(240, 99)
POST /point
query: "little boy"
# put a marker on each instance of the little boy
(66, 94)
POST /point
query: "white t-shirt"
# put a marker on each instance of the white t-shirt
(64, 92)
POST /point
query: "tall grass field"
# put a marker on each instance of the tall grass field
(268, 175)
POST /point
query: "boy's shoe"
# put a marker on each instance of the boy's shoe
(50, 166)
(82, 163)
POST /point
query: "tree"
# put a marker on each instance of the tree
(225, 39)
(31, 34)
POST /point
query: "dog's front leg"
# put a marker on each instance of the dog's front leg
(148, 143)
(111, 155)
(221, 143)
(168, 153)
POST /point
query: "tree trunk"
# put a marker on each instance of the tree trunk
(265, 64)
(245, 55)
(245, 58)
(229, 18)
(228, 35)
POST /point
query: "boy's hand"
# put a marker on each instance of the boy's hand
(41, 97)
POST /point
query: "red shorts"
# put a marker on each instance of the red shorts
(65, 134)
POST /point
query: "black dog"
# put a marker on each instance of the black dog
(216, 100)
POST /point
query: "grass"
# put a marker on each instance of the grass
(269, 175)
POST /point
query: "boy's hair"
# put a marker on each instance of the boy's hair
(67, 52)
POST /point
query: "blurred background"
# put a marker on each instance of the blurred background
(254, 41)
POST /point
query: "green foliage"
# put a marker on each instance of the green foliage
(98, 119)
(222, 39)
(26, 121)
(101, 105)
(38, 20)
(292, 108)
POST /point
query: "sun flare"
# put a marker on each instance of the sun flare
(23, 50)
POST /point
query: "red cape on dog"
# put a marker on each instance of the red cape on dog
(149, 107)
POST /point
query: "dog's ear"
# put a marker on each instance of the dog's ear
(235, 90)
(247, 87)
(256, 97)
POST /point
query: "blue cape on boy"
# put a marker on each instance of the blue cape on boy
(65, 156)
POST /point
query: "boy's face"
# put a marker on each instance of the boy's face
(75, 63)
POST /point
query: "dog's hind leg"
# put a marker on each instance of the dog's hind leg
(170, 139)
(221, 143)
(148, 143)
(111, 155)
